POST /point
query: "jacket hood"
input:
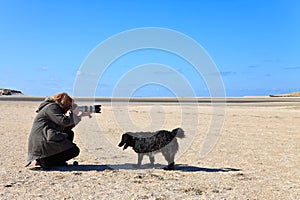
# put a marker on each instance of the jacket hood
(47, 101)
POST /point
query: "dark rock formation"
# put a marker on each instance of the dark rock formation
(4, 91)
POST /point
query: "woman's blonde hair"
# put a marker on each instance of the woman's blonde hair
(64, 100)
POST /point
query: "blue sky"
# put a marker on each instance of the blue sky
(255, 44)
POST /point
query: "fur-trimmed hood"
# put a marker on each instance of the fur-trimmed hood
(47, 101)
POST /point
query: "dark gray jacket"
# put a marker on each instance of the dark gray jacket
(47, 135)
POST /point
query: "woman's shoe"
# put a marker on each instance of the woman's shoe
(41, 162)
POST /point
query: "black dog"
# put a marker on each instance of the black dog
(153, 142)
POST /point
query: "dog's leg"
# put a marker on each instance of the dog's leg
(169, 156)
(171, 166)
(140, 159)
(151, 158)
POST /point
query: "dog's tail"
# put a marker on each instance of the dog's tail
(179, 132)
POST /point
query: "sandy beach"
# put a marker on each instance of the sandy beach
(256, 156)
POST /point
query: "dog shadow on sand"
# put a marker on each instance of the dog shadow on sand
(130, 166)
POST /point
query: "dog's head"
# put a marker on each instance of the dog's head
(127, 141)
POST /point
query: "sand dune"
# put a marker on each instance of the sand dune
(256, 156)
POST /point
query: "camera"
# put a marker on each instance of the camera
(92, 109)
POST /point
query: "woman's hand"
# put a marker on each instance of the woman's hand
(76, 111)
(79, 113)
(85, 114)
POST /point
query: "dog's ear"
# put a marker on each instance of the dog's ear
(125, 147)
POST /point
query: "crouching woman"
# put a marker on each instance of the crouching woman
(50, 142)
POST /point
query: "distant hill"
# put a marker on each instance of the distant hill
(5, 91)
(293, 94)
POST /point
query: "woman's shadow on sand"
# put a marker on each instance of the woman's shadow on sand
(129, 166)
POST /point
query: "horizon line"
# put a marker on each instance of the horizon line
(246, 99)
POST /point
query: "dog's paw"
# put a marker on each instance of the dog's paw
(170, 167)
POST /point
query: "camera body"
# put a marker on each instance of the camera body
(92, 109)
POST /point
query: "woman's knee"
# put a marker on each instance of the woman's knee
(70, 135)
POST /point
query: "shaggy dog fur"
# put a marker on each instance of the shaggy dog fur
(149, 143)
